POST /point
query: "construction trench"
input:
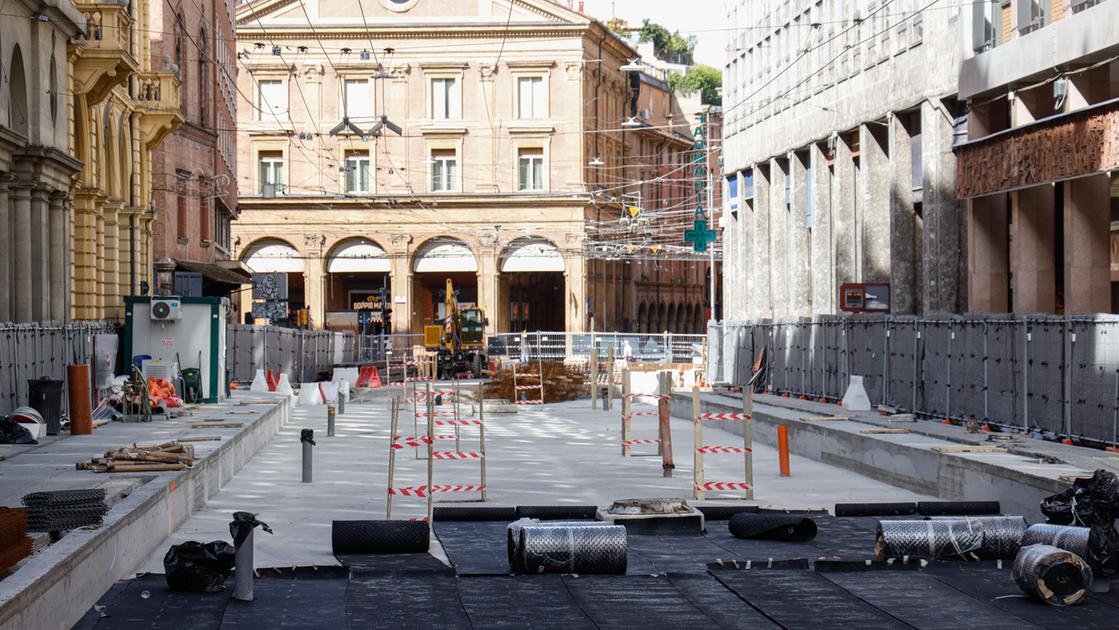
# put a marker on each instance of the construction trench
(816, 548)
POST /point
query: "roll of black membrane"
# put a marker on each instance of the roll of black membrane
(375, 537)
(724, 512)
(473, 513)
(875, 509)
(1067, 537)
(586, 550)
(960, 538)
(557, 512)
(513, 536)
(958, 508)
(1055, 576)
(783, 527)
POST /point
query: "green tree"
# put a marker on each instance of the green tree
(704, 79)
(665, 43)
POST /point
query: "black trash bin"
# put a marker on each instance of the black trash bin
(45, 396)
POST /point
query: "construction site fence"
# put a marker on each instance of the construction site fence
(378, 348)
(33, 350)
(303, 355)
(1058, 375)
(560, 347)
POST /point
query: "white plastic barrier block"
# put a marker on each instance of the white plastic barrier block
(309, 395)
(284, 386)
(856, 399)
(260, 383)
(348, 374)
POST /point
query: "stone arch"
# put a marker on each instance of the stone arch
(270, 254)
(643, 318)
(531, 254)
(358, 254)
(443, 254)
(670, 323)
(662, 318)
(19, 119)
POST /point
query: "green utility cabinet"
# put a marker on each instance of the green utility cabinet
(180, 329)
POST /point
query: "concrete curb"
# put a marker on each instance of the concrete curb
(59, 585)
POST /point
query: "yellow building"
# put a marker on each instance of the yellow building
(513, 138)
(124, 105)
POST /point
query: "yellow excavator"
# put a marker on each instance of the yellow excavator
(459, 341)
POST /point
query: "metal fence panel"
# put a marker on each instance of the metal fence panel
(1094, 376)
(1045, 345)
(34, 350)
(867, 348)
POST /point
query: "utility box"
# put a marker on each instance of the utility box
(862, 297)
(196, 339)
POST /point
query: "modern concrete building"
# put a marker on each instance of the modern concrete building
(35, 162)
(124, 105)
(194, 171)
(1040, 168)
(838, 130)
(499, 160)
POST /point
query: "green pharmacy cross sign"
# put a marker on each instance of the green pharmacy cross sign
(699, 236)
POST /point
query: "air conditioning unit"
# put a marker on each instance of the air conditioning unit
(166, 309)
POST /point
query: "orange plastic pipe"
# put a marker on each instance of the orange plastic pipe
(81, 416)
(783, 449)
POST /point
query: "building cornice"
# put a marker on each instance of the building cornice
(406, 202)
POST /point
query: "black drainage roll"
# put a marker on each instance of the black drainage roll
(371, 537)
(1054, 576)
(587, 550)
(1067, 537)
(875, 509)
(962, 538)
(556, 512)
(473, 513)
(784, 527)
(958, 508)
(724, 512)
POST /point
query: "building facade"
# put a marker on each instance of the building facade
(194, 184)
(1040, 168)
(35, 163)
(124, 105)
(839, 121)
(396, 145)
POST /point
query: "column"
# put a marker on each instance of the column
(125, 263)
(402, 283)
(313, 279)
(761, 306)
(7, 247)
(874, 223)
(59, 258)
(40, 254)
(1032, 250)
(778, 213)
(22, 300)
(905, 279)
(575, 292)
(988, 251)
(800, 263)
(823, 264)
(1088, 245)
(843, 213)
(944, 228)
(83, 285)
(728, 233)
(109, 266)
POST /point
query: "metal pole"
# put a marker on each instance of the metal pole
(711, 212)
(430, 457)
(627, 410)
(748, 437)
(986, 381)
(307, 437)
(482, 434)
(330, 421)
(243, 575)
(395, 404)
(342, 395)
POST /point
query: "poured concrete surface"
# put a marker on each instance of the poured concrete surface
(562, 453)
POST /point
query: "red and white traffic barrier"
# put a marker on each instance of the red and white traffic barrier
(715, 486)
(636, 414)
(424, 491)
(520, 387)
(401, 441)
(746, 450)
(530, 402)
(724, 450)
(731, 417)
(436, 414)
(632, 442)
(456, 455)
(468, 422)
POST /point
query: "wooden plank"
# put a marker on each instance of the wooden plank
(200, 438)
(824, 418)
(218, 425)
(969, 448)
(884, 430)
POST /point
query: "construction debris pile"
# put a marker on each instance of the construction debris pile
(561, 383)
(142, 458)
(60, 510)
(14, 543)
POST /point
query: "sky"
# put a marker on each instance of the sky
(702, 18)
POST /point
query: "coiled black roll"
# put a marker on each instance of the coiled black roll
(473, 513)
(513, 536)
(875, 509)
(783, 527)
(587, 550)
(557, 512)
(963, 538)
(1055, 576)
(958, 508)
(1067, 537)
(376, 537)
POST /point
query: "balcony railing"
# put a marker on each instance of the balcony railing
(103, 57)
(108, 27)
(159, 98)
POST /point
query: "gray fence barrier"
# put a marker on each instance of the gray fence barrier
(1049, 373)
(34, 350)
(301, 354)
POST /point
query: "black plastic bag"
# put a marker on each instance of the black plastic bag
(197, 567)
(1103, 551)
(12, 432)
(242, 524)
(1088, 502)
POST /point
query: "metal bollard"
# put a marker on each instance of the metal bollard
(330, 421)
(307, 437)
(341, 402)
(243, 573)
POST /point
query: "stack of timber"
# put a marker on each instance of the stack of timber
(168, 456)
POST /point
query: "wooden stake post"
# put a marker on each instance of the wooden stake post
(627, 413)
(700, 484)
(594, 378)
(608, 400)
(392, 455)
(664, 429)
(482, 434)
(430, 459)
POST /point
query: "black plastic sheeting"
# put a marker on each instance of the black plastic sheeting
(556, 512)
(473, 513)
(722, 605)
(958, 508)
(373, 537)
(390, 601)
(635, 602)
(475, 547)
(875, 509)
(724, 512)
(783, 527)
(514, 603)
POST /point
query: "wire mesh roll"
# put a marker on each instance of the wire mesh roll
(966, 538)
(513, 536)
(1055, 576)
(1067, 537)
(575, 549)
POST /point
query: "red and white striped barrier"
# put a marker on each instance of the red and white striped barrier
(455, 455)
(718, 450)
(401, 441)
(520, 387)
(637, 414)
(731, 417)
(436, 414)
(530, 402)
(714, 486)
(469, 422)
(423, 491)
(632, 442)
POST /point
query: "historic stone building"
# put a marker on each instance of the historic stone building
(35, 162)
(1040, 167)
(838, 122)
(124, 104)
(394, 144)
(194, 184)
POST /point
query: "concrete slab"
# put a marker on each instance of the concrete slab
(564, 453)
